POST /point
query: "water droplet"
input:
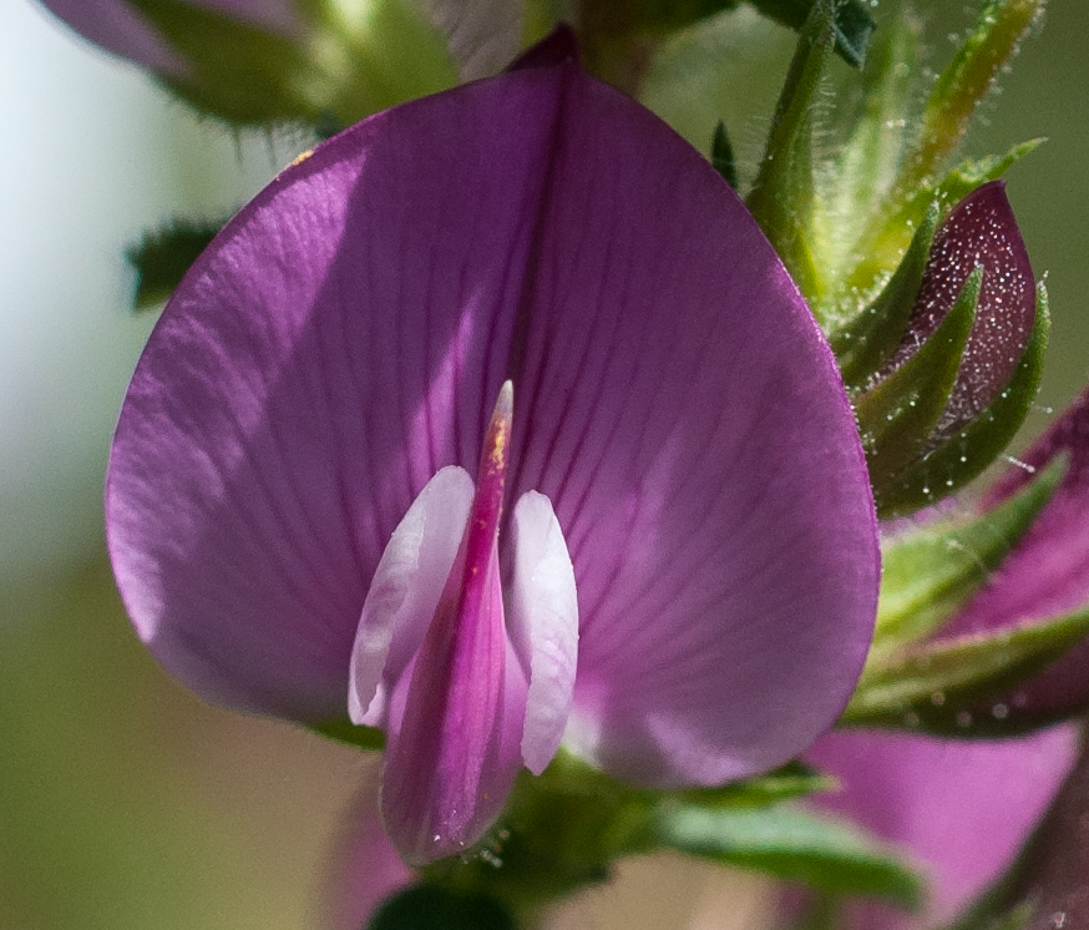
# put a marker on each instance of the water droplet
(1058, 920)
(964, 719)
(1000, 712)
(937, 698)
(911, 719)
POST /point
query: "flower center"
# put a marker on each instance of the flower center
(471, 675)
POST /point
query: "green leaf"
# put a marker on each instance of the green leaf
(897, 416)
(791, 844)
(161, 258)
(964, 455)
(929, 574)
(782, 199)
(852, 22)
(866, 342)
(938, 687)
(722, 155)
(344, 731)
(790, 781)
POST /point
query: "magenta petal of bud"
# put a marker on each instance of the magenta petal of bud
(1047, 573)
(960, 809)
(405, 591)
(544, 625)
(980, 231)
(452, 757)
(345, 337)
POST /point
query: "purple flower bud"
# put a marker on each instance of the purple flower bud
(980, 232)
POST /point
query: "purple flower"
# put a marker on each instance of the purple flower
(963, 809)
(1046, 575)
(960, 810)
(682, 585)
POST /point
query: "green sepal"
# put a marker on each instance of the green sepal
(897, 416)
(863, 345)
(722, 155)
(940, 687)
(961, 86)
(956, 94)
(343, 730)
(854, 27)
(559, 832)
(791, 781)
(163, 256)
(782, 199)
(964, 455)
(341, 64)
(791, 844)
(970, 174)
(929, 573)
(869, 159)
(435, 907)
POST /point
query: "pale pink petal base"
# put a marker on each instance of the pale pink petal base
(544, 625)
(405, 591)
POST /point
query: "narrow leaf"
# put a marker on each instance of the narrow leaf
(938, 688)
(998, 32)
(931, 573)
(793, 845)
(956, 94)
(793, 780)
(969, 175)
(864, 345)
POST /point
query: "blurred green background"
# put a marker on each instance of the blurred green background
(124, 801)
